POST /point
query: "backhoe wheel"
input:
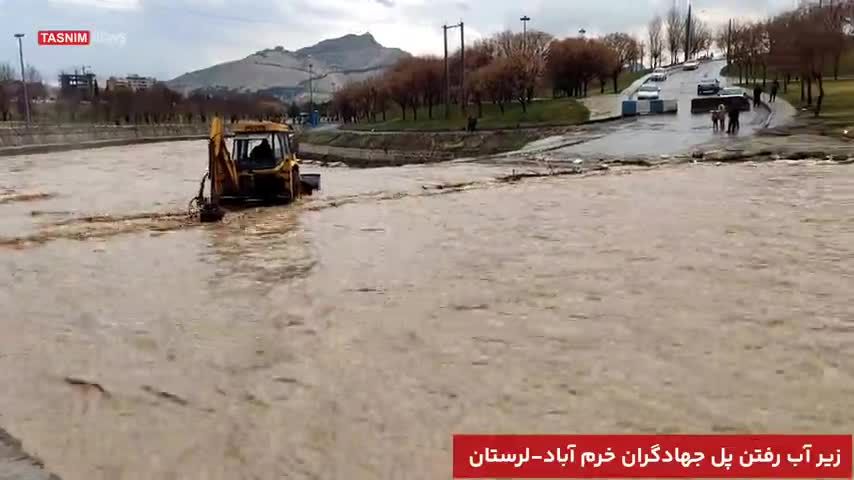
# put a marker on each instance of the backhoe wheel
(296, 184)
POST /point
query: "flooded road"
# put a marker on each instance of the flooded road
(668, 134)
(351, 341)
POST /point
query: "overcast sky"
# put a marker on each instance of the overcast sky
(164, 38)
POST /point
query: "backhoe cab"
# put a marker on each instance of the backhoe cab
(262, 167)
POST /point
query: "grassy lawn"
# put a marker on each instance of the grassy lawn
(837, 111)
(562, 111)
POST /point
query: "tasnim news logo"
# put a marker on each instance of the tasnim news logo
(64, 37)
(80, 38)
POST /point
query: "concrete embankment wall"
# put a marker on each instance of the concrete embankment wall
(46, 138)
(399, 148)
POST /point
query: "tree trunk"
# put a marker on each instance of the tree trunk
(414, 113)
(430, 110)
(803, 91)
(403, 110)
(524, 105)
(383, 114)
(501, 107)
(602, 86)
(479, 109)
(819, 78)
(615, 82)
(764, 75)
(809, 91)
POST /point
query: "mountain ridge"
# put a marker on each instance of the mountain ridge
(333, 63)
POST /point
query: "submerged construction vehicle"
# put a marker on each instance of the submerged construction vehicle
(262, 167)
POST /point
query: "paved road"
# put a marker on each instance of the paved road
(666, 134)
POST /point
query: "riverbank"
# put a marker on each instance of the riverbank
(55, 138)
(400, 148)
(837, 111)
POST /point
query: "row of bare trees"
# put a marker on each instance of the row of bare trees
(506, 68)
(807, 43)
(158, 104)
(11, 89)
(673, 34)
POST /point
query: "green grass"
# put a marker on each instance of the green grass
(837, 110)
(563, 111)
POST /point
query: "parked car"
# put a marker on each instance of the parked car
(649, 92)
(691, 65)
(659, 75)
(733, 92)
(737, 96)
(708, 86)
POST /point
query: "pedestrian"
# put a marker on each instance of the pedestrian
(733, 114)
(775, 87)
(757, 95)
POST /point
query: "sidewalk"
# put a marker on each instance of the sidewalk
(782, 112)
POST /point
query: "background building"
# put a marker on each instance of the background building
(131, 82)
(83, 84)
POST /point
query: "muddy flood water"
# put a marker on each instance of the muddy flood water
(352, 335)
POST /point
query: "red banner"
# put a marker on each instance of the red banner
(64, 37)
(652, 456)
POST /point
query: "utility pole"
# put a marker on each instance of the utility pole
(729, 44)
(447, 77)
(445, 28)
(463, 92)
(310, 88)
(19, 36)
(688, 34)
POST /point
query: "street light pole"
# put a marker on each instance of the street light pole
(525, 21)
(688, 34)
(19, 36)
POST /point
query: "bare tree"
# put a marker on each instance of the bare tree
(701, 37)
(674, 32)
(656, 42)
(626, 49)
(530, 51)
(641, 53)
(33, 75)
(7, 72)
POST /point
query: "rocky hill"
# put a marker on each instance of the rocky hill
(334, 62)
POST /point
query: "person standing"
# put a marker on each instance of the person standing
(775, 87)
(732, 113)
(757, 95)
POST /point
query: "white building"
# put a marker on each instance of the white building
(132, 82)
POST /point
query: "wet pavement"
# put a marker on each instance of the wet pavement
(352, 335)
(669, 134)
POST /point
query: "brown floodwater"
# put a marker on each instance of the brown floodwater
(352, 335)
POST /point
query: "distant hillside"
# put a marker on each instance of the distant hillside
(335, 63)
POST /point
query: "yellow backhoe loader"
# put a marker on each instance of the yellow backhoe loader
(261, 167)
